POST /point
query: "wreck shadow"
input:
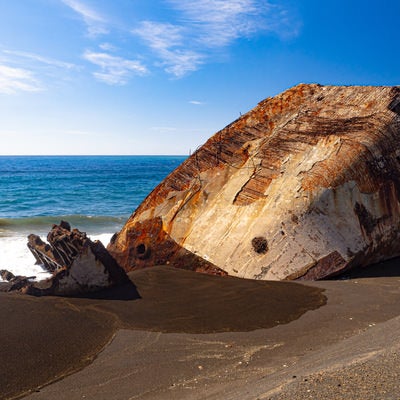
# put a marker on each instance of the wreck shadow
(126, 292)
(384, 269)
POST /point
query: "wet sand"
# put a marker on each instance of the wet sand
(191, 336)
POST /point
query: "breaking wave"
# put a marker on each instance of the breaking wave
(14, 253)
(91, 224)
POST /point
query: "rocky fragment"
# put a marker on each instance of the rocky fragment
(6, 275)
(14, 282)
(304, 186)
(78, 265)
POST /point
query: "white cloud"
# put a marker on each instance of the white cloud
(160, 36)
(28, 67)
(41, 59)
(181, 62)
(13, 80)
(219, 22)
(163, 129)
(114, 70)
(96, 24)
(208, 25)
(196, 102)
(107, 47)
(167, 41)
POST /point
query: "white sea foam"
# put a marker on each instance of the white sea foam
(16, 257)
(103, 237)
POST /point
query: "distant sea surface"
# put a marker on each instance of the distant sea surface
(95, 194)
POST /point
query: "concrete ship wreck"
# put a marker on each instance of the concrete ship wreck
(304, 186)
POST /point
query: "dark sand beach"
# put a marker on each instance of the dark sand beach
(182, 335)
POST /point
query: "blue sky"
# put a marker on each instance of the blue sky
(161, 76)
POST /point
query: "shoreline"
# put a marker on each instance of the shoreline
(221, 363)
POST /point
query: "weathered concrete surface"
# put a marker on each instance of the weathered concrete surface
(79, 265)
(303, 186)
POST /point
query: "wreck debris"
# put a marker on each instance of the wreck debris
(43, 253)
(315, 171)
(14, 282)
(6, 275)
(78, 265)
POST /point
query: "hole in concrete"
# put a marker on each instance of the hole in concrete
(141, 249)
(260, 244)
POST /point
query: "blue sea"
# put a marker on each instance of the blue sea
(95, 194)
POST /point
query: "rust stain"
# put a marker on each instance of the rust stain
(148, 244)
(227, 147)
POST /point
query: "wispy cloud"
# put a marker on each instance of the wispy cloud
(167, 42)
(95, 23)
(204, 26)
(107, 46)
(13, 80)
(114, 70)
(196, 102)
(163, 129)
(31, 72)
(160, 36)
(181, 62)
(219, 22)
(39, 58)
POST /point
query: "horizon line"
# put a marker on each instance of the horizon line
(94, 155)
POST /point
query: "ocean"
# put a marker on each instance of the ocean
(95, 194)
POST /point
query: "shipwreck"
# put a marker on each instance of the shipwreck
(78, 265)
(304, 186)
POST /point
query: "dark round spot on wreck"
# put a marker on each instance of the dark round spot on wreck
(260, 244)
(142, 251)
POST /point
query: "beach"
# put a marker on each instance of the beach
(199, 200)
(181, 335)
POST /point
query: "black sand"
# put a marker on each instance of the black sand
(197, 337)
(44, 339)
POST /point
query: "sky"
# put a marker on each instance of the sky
(162, 76)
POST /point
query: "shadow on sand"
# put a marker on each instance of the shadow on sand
(127, 291)
(384, 269)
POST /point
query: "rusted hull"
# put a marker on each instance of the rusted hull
(305, 185)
